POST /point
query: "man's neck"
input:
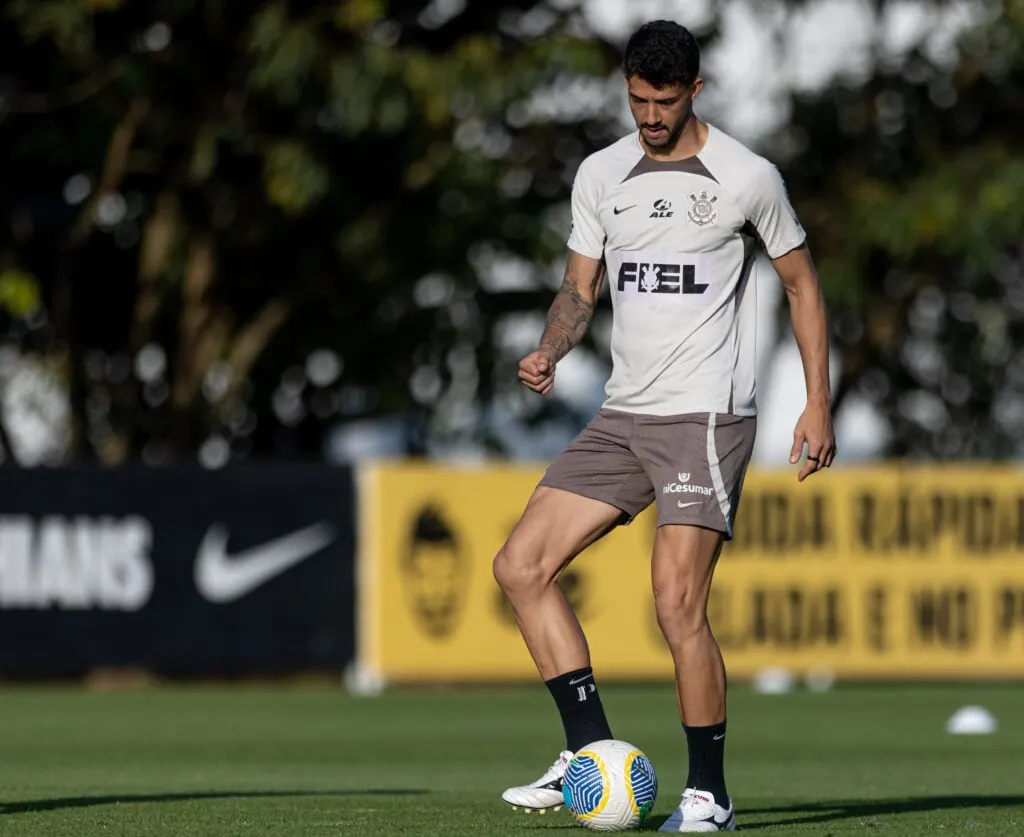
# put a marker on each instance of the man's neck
(690, 143)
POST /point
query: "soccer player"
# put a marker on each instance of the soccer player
(673, 214)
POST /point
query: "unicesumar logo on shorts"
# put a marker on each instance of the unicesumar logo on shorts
(684, 486)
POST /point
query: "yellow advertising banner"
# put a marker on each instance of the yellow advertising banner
(879, 572)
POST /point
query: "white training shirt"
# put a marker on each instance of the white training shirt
(678, 240)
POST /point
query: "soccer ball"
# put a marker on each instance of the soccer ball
(610, 785)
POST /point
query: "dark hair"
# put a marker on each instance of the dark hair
(663, 54)
(431, 527)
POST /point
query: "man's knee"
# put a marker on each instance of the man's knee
(684, 560)
(520, 570)
(681, 609)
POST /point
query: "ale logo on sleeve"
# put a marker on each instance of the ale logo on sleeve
(662, 208)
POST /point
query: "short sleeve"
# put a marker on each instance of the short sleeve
(773, 215)
(587, 235)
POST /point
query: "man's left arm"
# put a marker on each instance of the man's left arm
(810, 327)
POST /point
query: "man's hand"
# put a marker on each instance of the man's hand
(537, 371)
(815, 430)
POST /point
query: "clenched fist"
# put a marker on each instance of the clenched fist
(537, 371)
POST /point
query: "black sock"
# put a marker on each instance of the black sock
(579, 704)
(707, 760)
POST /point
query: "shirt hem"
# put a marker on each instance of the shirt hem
(681, 410)
(582, 251)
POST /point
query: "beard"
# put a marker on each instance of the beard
(661, 137)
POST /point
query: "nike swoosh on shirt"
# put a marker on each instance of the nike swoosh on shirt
(223, 578)
(683, 505)
(618, 211)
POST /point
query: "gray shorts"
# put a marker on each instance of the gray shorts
(691, 465)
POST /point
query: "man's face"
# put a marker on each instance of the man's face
(435, 578)
(434, 573)
(661, 114)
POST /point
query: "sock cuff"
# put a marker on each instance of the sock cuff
(564, 679)
(705, 732)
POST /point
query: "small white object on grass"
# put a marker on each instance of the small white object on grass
(971, 720)
(362, 683)
(820, 679)
(773, 681)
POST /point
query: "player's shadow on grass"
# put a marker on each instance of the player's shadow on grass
(128, 798)
(822, 812)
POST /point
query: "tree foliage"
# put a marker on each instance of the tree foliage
(242, 224)
(910, 185)
(225, 193)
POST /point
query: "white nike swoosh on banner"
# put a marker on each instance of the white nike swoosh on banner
(223, 578)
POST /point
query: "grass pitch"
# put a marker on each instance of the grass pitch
(291, 761)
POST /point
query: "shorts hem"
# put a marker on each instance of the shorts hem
(721, 528)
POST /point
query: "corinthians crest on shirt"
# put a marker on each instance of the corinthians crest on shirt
(702, 209)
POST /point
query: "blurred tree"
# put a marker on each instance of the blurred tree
(233, 230)
(910, 186)
(230, 230)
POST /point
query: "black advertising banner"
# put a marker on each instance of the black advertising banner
(182, 571)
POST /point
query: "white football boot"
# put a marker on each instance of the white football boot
(699, 812)
(545, 793)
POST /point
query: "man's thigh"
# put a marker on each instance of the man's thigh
(697, 463)
(555, 527)
(599, 464)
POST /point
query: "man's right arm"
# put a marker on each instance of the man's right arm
(573, 307)
(567, 321)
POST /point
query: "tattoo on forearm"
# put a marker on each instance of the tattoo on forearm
(568, 318)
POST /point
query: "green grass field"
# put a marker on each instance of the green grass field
(307, 761)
